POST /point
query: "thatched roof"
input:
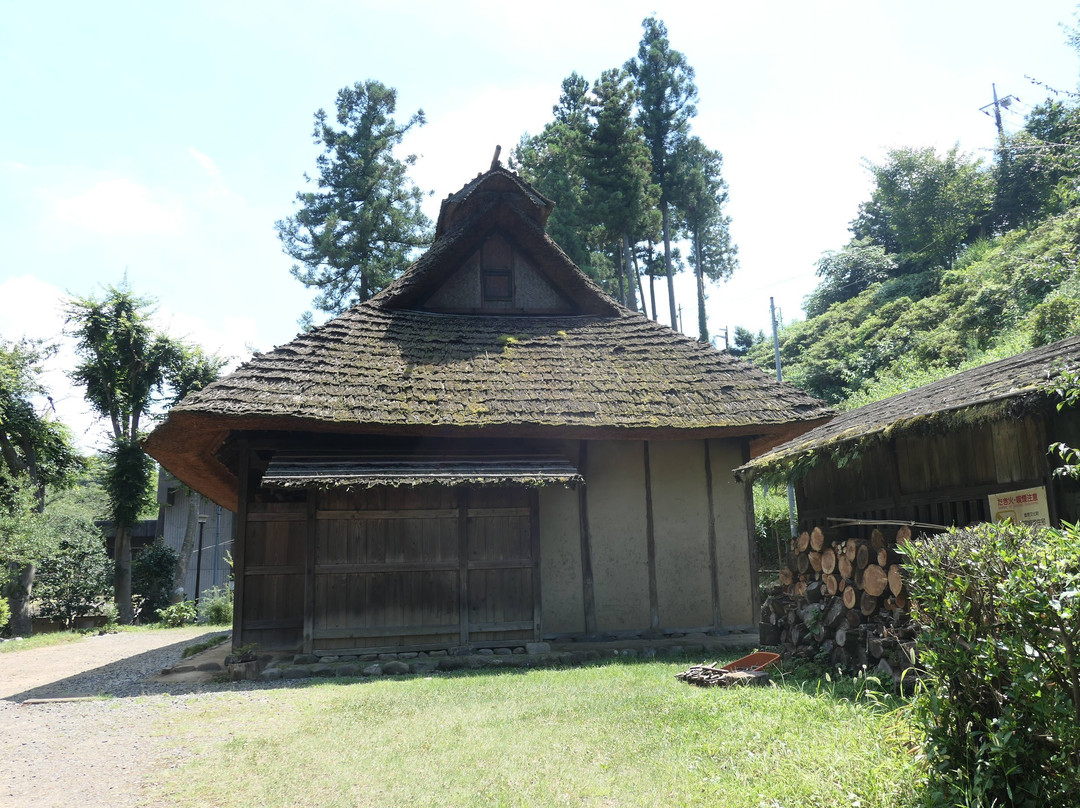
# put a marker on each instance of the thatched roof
(983, 391)
(388, 367)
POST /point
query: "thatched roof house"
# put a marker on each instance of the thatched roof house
(489, 433)
(937, 454)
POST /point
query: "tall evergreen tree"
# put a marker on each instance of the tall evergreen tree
(666, 104)
(699, 195)
(358, 231)
(617, 170)
(554, 162)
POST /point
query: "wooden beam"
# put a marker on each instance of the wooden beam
(311, 538)
(650, 546)
(277, 516)
(463, 565)
(714, 565)
(240, 540)
(588, 594)
(362, 515)
(534, 541)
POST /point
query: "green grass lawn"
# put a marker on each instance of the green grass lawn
(613, 734)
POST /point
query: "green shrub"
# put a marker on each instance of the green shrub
(152, 574)
(216, 606)
(772, 528)
(179, 614)
(5, 614)
(76, 577)
(1001, 633)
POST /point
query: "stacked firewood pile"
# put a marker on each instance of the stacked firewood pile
(845, 600)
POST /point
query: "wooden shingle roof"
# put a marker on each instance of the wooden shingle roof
(387, 367)
(1017, 377)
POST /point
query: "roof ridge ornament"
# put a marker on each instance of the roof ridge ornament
(495, 160)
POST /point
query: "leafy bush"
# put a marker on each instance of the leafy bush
(771, 525)
(1000, 610)
(216, 606)
(179, 614)
(73, 579)
(152, 574)
(5, 614)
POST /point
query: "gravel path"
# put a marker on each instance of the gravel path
(86, 753)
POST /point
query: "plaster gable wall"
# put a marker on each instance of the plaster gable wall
(531, 292)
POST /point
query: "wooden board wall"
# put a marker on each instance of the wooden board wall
(941, 479)
(401, 568)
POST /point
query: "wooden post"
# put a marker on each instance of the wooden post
(309, 570)
(463, 564)
(588, 595)
(534, 538)
(243, 483)
(714, 571)
(650, 546)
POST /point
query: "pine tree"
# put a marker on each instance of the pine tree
(359, 230)
(666, 99)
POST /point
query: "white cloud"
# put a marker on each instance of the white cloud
(118, 207)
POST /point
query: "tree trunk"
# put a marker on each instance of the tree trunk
(122, 577)
(640, 288)
(186, 548)
(667, 267)
(18, 591)
(703, 320)
(631, 289)
(620, 275)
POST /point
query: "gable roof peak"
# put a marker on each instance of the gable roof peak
(495, 184)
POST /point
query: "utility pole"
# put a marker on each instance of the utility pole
(780, 378)
(997, 104)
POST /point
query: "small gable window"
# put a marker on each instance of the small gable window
(498, 284)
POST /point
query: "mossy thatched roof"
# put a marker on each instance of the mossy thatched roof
(387, 367)
(981, 393)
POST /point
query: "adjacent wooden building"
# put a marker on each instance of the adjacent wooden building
(965, 449)
(490, 451)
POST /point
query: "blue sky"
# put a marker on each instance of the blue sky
(164, 139)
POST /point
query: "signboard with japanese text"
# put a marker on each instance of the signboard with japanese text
(1025, 507)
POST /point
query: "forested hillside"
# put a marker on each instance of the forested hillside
(953, 262)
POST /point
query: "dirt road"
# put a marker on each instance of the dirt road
(86, 753)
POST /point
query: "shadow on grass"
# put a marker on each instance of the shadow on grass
(130, 678)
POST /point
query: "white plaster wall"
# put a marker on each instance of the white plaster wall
(732, 538)
(560, 560)
(615, 477)
(681, 530)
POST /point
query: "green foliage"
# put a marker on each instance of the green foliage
(358, 231)
(152, 574)
(888, 339)
(76, 576)
(1067, 389)
(216, 606)
(31, 440)
(178, 614)
(5, 614)
(1001, 633)
(772, 526)
(925, 208)
(127, 480)
(127, 369)
(847, 272)
(199, 647)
